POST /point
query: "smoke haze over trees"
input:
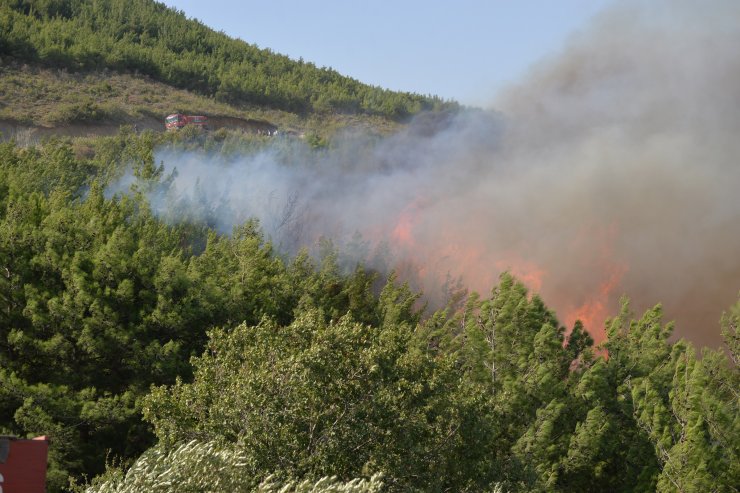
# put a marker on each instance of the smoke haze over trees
(148, 318)
(612, 169)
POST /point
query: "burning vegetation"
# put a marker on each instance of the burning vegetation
(437, 309)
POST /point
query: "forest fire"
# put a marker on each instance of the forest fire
(430, 262)
(403, 298)
(598, 308)
(402, 233)
(601, 301)
(609, 170)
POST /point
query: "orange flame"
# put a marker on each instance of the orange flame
(403, 231)
(426, 253)
(525, 271)
(600, 302)
(595, 311)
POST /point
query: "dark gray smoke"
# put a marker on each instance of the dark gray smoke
(612, 168)
(633, 127)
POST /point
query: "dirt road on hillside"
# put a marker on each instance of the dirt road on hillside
(25, 134)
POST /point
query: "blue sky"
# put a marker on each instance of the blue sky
(464, 50)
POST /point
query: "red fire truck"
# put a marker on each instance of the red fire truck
(178, 120)
(23, 464)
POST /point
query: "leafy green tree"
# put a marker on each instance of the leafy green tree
(693, 423)
(318, 368)
(730, 327)
(315, 398)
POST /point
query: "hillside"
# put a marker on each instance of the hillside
(164, 339)
(37, 102)
(148, 38)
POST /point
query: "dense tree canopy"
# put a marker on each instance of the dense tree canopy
(121, 331)
(307, 370)
(147, 347)
(99, 299)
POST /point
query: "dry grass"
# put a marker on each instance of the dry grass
(44, 97)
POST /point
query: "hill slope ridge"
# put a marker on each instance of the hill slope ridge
(146, 37)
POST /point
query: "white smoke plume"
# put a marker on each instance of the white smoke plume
(612, 168)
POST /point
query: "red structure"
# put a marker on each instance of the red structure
(23, 464)
(178, 120)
